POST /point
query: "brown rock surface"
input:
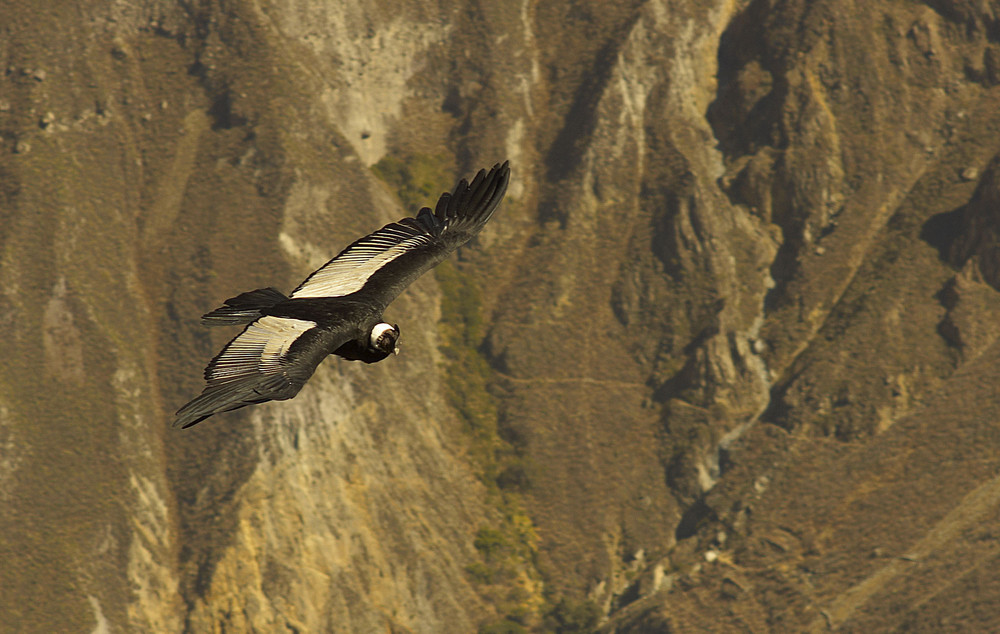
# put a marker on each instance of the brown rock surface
(725, 359)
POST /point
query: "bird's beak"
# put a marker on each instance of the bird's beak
(395, 350)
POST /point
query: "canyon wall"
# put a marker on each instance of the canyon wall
(724, 359)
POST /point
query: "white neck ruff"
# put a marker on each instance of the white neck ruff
(378, 331)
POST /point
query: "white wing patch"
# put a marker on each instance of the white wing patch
(348, 272)
(258, 350)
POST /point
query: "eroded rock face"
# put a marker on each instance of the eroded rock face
(748, 251)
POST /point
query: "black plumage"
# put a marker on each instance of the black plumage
(338, 309)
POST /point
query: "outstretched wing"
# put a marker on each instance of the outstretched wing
(269, 361)
(379, 266)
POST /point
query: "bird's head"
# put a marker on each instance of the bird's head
(384, 338)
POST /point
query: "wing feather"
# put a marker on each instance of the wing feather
(253, 368)
(269, 361)
(348, 272)
(225, 397)
(259, 349)
(386, 261)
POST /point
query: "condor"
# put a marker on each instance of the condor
(338, 309)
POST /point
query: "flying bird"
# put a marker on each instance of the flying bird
(338, 309)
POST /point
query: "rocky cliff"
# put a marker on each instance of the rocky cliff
(724, 359)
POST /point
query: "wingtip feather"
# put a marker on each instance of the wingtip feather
(226, 397)
(476, 200)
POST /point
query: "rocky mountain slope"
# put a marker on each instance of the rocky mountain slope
(725, 359)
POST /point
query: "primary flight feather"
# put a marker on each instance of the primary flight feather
(338, 309)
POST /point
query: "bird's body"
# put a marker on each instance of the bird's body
(338, 309)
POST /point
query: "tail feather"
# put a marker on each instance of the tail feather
(244, 308)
